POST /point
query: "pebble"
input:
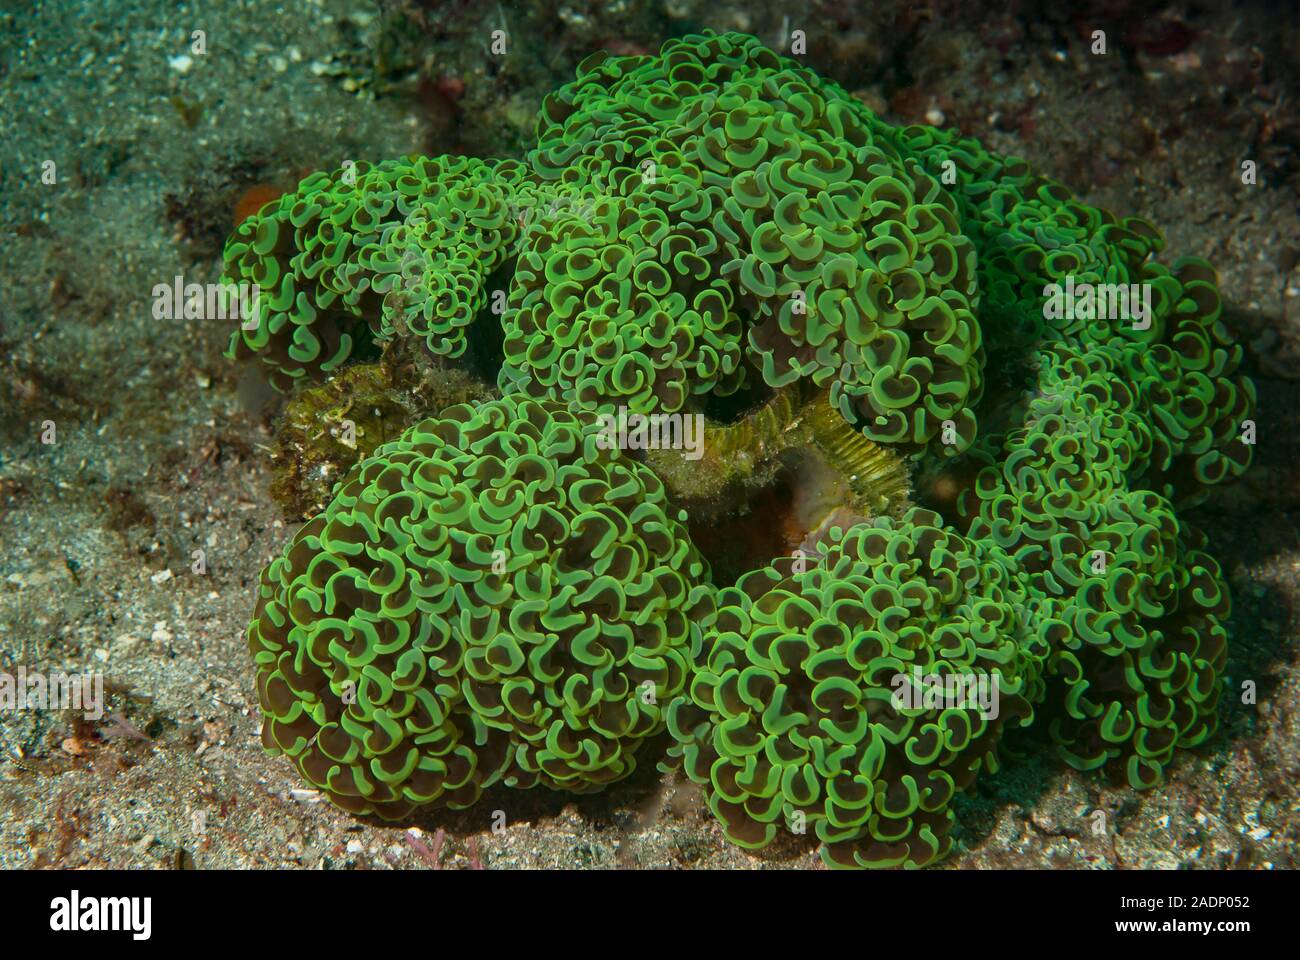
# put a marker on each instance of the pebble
(127, 644)
(162, 576)
(182, 63)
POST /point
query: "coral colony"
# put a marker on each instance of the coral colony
(509, 591)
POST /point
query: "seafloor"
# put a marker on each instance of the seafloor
(162, 444)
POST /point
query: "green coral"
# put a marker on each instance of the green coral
(686, 222)
(495, 592)
(403, 248)
(1131, 607)
(615, 301)
(792, 721)
(491, 597)
(1030, 233)
(765, 205)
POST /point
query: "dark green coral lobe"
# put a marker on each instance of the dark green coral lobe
(490, 597)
